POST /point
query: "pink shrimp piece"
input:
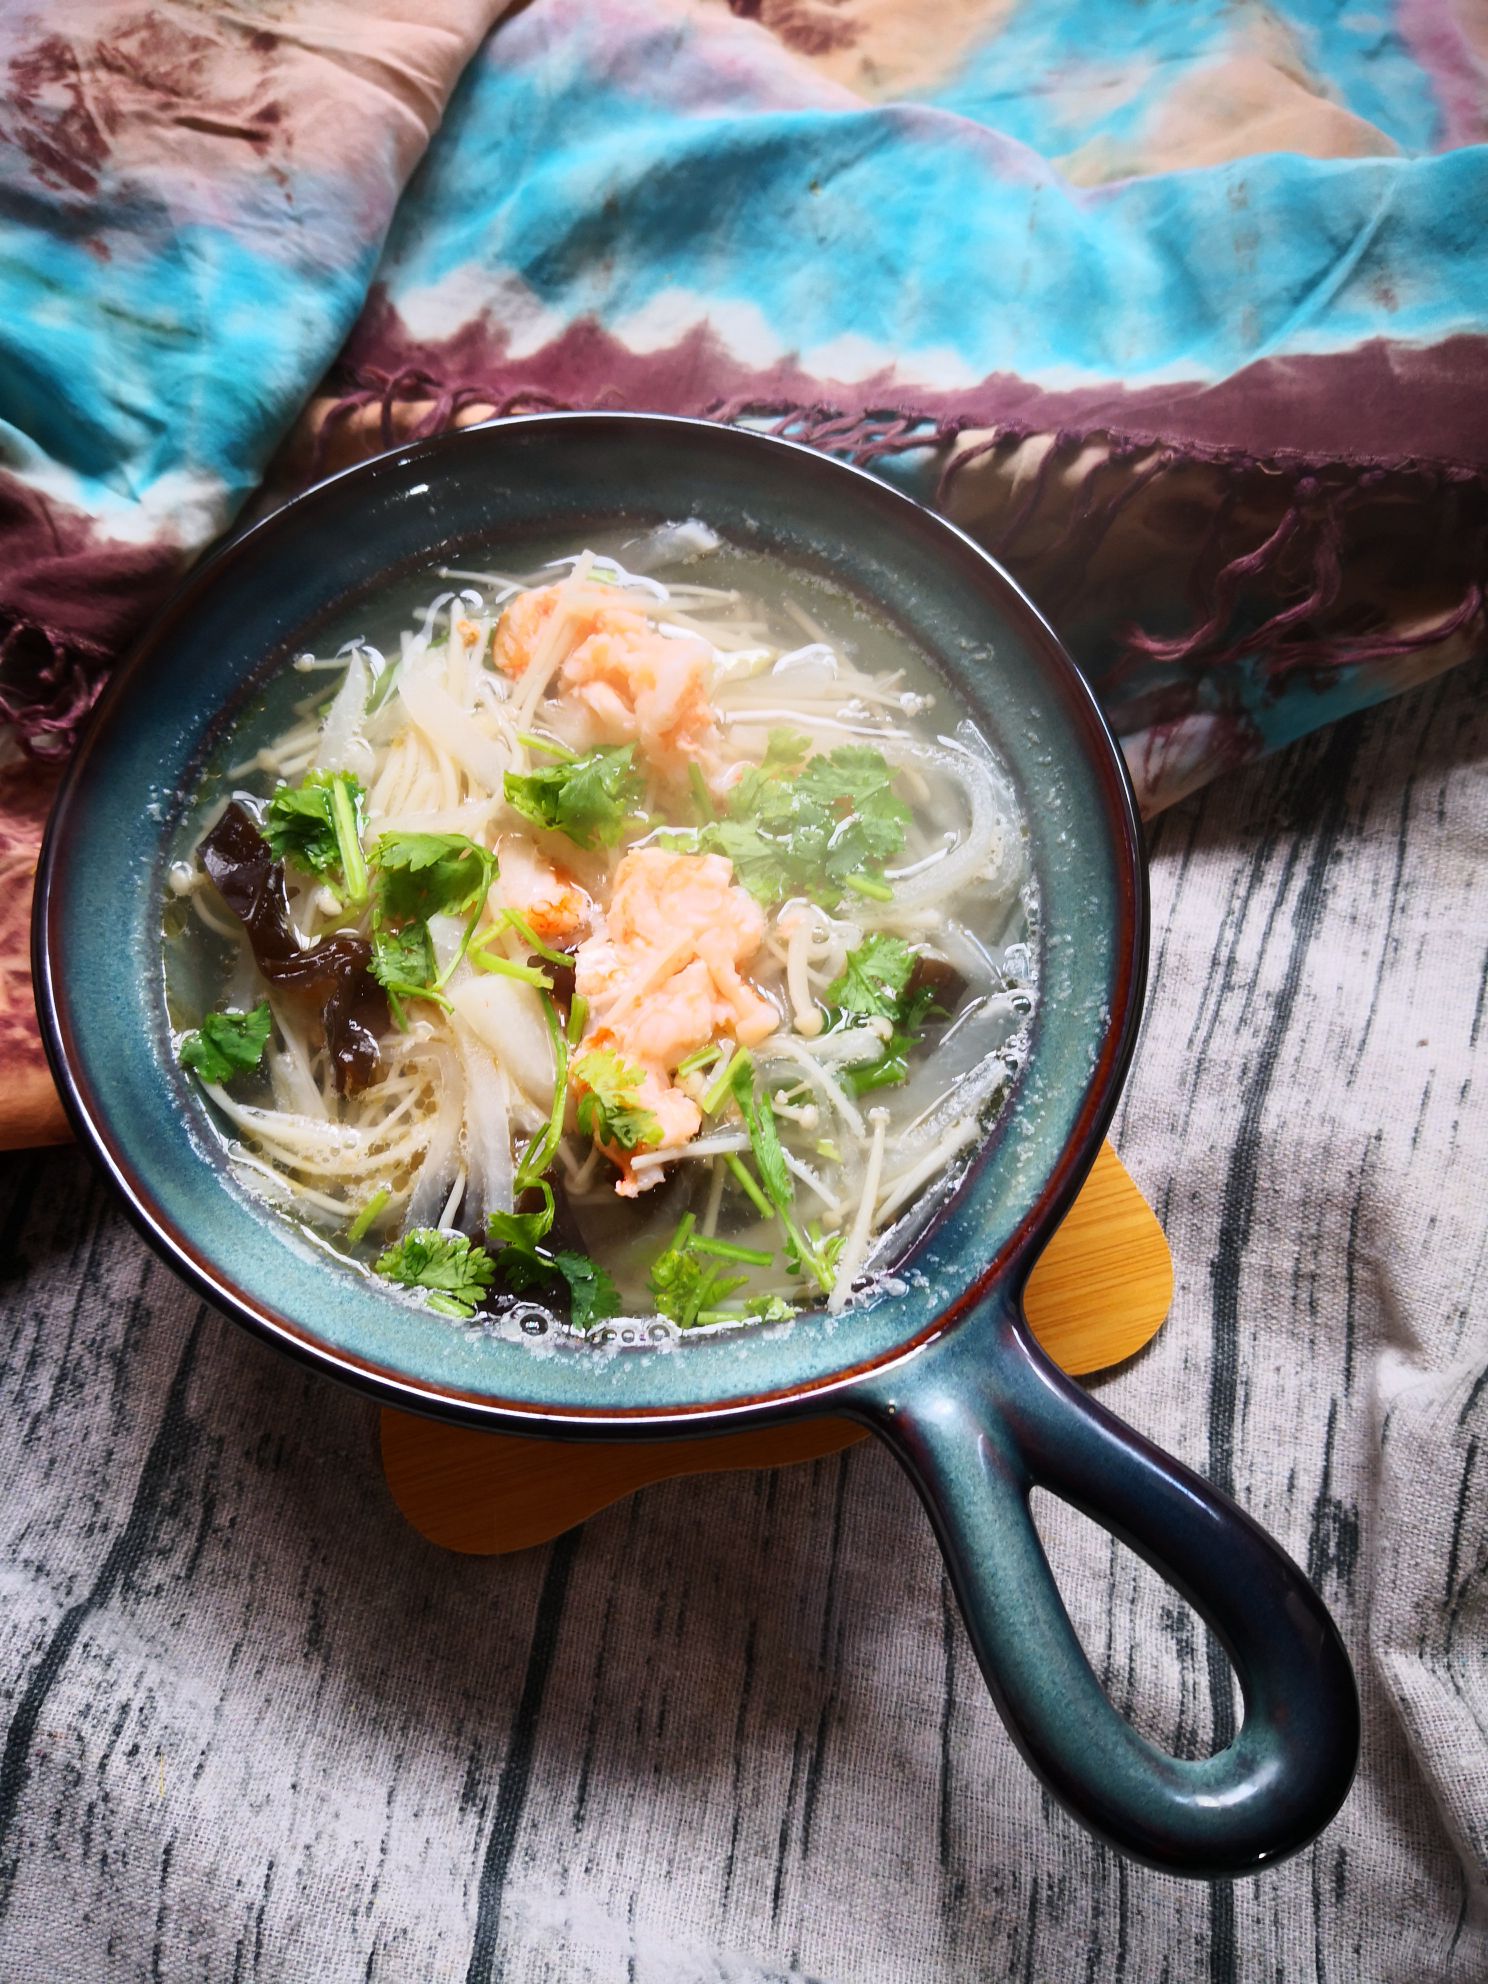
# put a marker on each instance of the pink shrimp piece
(640, 686)
(552, 903)
(667, 912)
(525, 620)
(664, 977)
(680, 1120)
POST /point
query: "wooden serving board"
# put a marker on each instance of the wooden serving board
(1099, 1293)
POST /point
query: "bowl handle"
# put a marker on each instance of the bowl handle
(978, 1418)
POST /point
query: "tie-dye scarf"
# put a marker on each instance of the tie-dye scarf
(1179, 305)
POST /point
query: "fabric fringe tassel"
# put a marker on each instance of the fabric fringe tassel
(49, 682)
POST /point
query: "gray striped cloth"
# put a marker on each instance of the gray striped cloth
(731, 1731)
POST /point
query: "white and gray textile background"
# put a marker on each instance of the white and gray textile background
(257, 1729)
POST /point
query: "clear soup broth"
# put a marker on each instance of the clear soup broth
(637, 935)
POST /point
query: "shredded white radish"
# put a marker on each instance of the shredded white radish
(487, 1134)
(342, 747)
(451, 729)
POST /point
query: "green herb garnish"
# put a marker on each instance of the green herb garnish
(807, 1252)
(403, 965)
(801, 825)
(317, 825)
(454, 1273)
(533, 942)
(874, 977)
(729, 1250)
(817, 1254)
(876, 983)
(424, 875)
(607, 1109)
(702, 798)
(592, 1296)
(588, 798)
(746, 1180)
(543, 1148)
(485, 958)
(525, 1264)
(419, 876)
(368, 1214)
(769, 1309)
(227, 1044)
(700, 1058)
(764, 1138)
(684, 1285)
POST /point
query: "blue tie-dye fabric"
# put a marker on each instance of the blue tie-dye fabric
(968, 254)
(673, 207)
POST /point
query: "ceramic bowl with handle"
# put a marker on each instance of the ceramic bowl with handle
(944, 1369)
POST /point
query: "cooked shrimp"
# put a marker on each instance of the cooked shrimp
(668, 912)
(631, 683)
(646, 688)
(526, 619)
(554, 905)
(663, 977)
(679, 1119)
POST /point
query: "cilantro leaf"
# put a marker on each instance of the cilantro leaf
(227, 1044)
(588, 798)
(770, 1308)
(422, 875)
(874, 977)
(455, 1273)
(317, 826)
(403, 964)
(607, 1109)
(419, 876)
(764, 1138)
(522, 1230)
(821, 827)
(878, 981)
(593, 1296)
(683, 1283)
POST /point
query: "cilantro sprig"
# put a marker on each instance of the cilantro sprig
(227, 1044)
(454, 1273)
(524, 1263)
(820, 825)
(808, 1253)
(590, 798)
(317, 826)
(403, 965)
(419, 876)
(684, 1285)
(424, 875)
(607, 1108)
(878, 982)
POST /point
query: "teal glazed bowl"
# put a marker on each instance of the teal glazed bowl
(945, 1372)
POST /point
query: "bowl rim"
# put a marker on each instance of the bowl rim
(1010, 1265)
